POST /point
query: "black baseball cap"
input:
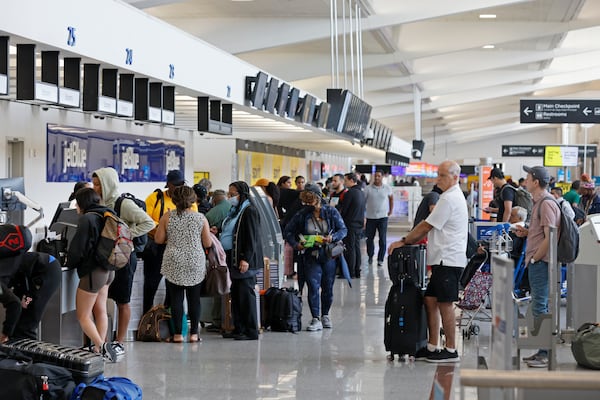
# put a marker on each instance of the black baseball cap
(538, 172)
(496, 173)
(175, 177)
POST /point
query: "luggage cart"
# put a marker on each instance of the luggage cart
(477, 282)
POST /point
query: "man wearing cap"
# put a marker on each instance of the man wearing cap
(158, 203)
(544, 215)
(507, 195)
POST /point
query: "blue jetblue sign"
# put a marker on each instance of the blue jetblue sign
(73, 154)
(560, 111)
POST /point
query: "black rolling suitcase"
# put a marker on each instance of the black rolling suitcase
(84, 365)
(405, 330)
(408, 261)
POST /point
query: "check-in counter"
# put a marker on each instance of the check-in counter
(586, 274)
(59, 323)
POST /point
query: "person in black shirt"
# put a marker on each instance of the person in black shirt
(506, 195)
(352, 209)
(427, 204)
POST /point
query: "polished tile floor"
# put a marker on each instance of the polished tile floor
(346, 362)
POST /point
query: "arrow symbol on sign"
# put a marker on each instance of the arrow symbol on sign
(527, 111)
(587, 111)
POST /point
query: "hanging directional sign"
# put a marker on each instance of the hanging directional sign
(522, 151)
(560, 111)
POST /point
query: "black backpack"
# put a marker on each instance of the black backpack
(568, 237)
(139, 242)
(284, 308)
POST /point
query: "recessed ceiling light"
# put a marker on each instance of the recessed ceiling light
(489, 46)
(487, 16)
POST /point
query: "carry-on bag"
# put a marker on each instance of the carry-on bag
(408, 261)
(21, 379)
(14, 240)
(405, 330)
(113, 388)
(284, 308)
(155, 326)
(82, 364)
(586, 345)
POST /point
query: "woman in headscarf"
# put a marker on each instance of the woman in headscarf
(241, 241)
(316, 220)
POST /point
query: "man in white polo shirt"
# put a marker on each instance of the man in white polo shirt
(446, 229)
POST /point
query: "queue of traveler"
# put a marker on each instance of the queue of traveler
(442, 219)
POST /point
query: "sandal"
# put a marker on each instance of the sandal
(177, 339)
(195, 339)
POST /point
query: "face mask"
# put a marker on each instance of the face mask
(310, 208)
(234, 201)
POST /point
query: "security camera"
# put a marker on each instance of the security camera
(45, 108)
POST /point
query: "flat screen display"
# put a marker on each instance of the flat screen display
(560, 156)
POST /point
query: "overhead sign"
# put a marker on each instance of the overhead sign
(560, 111)
(591, 150)
(560, 156)
(522, 151)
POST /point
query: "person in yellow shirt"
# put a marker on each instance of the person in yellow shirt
(158, 203)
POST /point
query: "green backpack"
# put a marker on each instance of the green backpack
(586, 345)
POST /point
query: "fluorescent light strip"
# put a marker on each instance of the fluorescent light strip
(489, 46)
(487, 16)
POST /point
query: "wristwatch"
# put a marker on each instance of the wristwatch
(532, 261)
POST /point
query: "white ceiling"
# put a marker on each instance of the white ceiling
(541, 48)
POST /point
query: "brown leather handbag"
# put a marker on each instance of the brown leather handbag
(217, 281)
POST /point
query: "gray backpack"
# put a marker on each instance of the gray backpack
(586, 345)
(568, 237)
(522, 199)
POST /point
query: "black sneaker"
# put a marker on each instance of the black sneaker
(443, 356)
(423, 354)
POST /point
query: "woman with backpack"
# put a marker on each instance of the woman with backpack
(94, 278)
(186, 233)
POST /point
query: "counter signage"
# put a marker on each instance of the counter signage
(74, 153)
(560, 111)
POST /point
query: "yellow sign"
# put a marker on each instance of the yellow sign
(560, 156)
(198, 175)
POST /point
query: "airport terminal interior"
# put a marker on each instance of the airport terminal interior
(221, 91)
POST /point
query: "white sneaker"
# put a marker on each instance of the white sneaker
(326, 322)
(315, 325)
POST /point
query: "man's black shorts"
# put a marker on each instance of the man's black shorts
(444, 283)
(120, 289)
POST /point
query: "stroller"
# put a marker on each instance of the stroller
(476, 281)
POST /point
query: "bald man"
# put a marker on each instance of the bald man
(446, 230)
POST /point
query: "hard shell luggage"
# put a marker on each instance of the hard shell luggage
(405, 330)
(84, 365)
(408, 262)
